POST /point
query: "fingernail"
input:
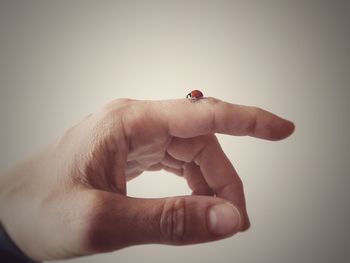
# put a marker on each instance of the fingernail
(224, 219)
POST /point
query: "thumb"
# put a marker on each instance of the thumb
(124, 221)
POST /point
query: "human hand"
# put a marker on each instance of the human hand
(70, 199)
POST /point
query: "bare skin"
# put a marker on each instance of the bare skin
(70, 199)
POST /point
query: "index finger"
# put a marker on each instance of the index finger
(186, 119)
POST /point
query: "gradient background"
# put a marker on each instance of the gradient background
(61, 60)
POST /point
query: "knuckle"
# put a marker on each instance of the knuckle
(116, 106)
(113, 114)
(119, 103)
(113, 110)
(215, 104)
(172, 221)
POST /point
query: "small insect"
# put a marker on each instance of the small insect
(194, 95)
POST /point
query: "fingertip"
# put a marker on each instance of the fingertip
(291, 127)
(279, 130)
(287, 129)
(246, 224)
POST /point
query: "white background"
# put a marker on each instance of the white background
(61, 60)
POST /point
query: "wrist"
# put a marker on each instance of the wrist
(5, 186)
(18, 200)
(16, 183)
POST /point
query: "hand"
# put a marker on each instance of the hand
(70, 199)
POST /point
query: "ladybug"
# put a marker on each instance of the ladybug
(194, 95)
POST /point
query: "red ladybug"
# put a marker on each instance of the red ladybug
(194, 95)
